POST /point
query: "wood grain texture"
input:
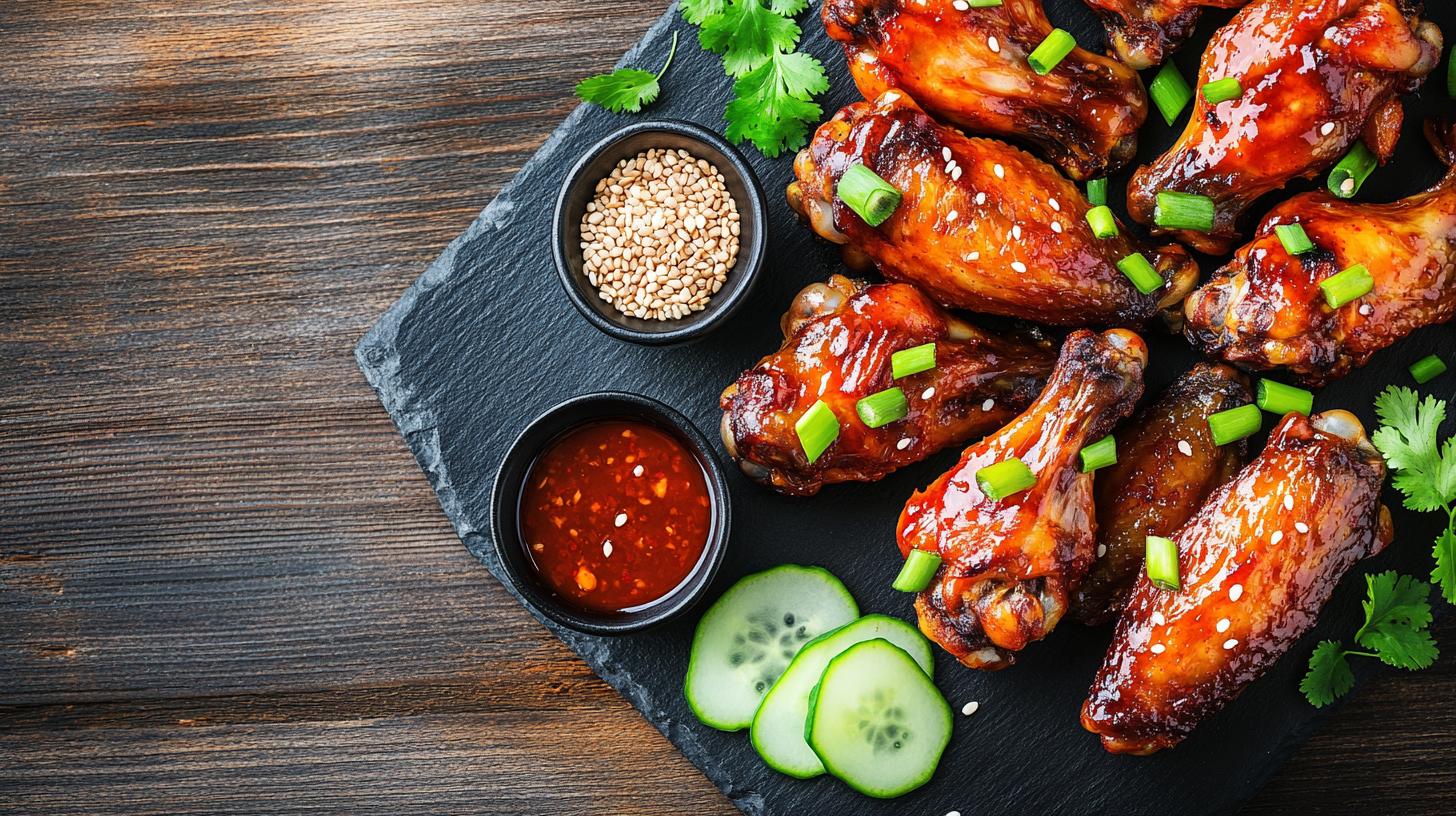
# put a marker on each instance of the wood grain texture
(224, 584)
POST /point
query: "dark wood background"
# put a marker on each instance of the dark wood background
(224, 584)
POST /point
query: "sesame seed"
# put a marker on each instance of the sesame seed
(950, 167)
(637, 471)
(974, 256)
(1301, 526)
(621, 519)
(1158, 619)
(988, 405)
(607, 548)
(1016, 232)
(970, 708)
(1159, 648)
(1277, 537)
(1185, 448)
(1230, 643)
(1236, 592)
(945, 153)
(902, 444)
(1327, 129)
(1288, 502)
(961, 5)
(980, 198)
(1000, 171)
(1018, 266)
(1055, 205)
(927, 393)
(952, 215)
(954, 813)
(1101, 550)
(995, 46)
(1222, 626)
(1365, 309)
(1057, 227)
(955, 174)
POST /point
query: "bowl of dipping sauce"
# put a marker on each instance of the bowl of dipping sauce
(610, 514)
(660, 233)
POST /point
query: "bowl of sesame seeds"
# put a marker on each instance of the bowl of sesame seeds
(659, 233)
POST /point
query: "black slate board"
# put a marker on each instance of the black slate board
(485, 340)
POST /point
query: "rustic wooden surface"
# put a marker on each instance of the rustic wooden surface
(224, 584)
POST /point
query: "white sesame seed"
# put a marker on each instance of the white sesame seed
(1018, 266)
(1101, 550)
(1365, 309)
(1236, 592)
(902, 444)
(950, 167)
(970, 708)
(607, 548)
(1222, 626)
(927, 393)
(1057, 227)
(1000, 171)
(980, 198)
(952, 215)
(637, 471)
(954, 813)
(1158, 648)
(1185, 448)
(988, 405)
(974, 256)
(961, 5)
(1301, 526)
(945, 152)
(1289, 502)
(621, 519)
(955, 174)
(1158, 619)
(1277, 537)
(1327, 129)
(1055, 205)
(995, 46)
(1016, 231)
(1230, 643)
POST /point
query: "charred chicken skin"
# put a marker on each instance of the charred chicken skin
(983, 226)
(1009, 567)
(1167, 464)
(1318, 75)
(838, 340)
(969, 68)
(1257, 563)
(1265, 309)
(1144, 33)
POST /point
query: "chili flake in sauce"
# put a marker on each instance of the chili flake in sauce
(615, 515)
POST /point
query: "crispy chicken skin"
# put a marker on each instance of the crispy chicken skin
(838, 339)
(999, 232)
(1144, 33)
(969, 68)
(1257, 563)
(1318, 75)
(1166, 466)
(1265, 310)
(1009, 567)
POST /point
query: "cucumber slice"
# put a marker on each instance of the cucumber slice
(747, 638)
(877, 722)
(778, 727)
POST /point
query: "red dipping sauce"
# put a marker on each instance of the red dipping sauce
(615, 515)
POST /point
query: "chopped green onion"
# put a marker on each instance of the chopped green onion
(1141, 273)
(1281, 399)
(1451, 75)
(882, 408)
(1052, 50)
(1099, 454)
(912, 360)
(817, 430)
(1162, 563)
(1235, 424)
(919, 568)
(1104, 224)
(1428, 369)
(1097, 192)
(1355, 282)
(1170, 92)
(1184, 211)
(1004, 479)
(1222, 90)
(1350, 174)
(1294, 239)
(983, 3)
(871, 197)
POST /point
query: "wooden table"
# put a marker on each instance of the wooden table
(224, 583)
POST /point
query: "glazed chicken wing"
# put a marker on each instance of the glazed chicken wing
(1256, 563)
(1008, 567)
(1166, 466)
(968, 67)
(983, 226)
(1317, 76)
(1265, 309)
(1146, 32)
(838, 339)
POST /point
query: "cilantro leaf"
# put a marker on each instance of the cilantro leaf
(696, 11)
(625, 89)
(1445, 571)
(788, 8)
(1426, 473)
(747, 34)
(774, 108)
(1329, 675)
(1394, 599)
(1402, 646)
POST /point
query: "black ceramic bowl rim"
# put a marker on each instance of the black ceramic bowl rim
(598, 162)
(511, 477)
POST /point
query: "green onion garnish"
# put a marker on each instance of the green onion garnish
(1097, 192)
(1355, 282)
(1294, 239)
(1281, 399)
(1428, 369)
(919, 568)
(1004, 479)
(1222, 90)
(871, 197)
(882, 408)
(1099, 454)
(1184, 211)
(1141, 273)
(1235, 424)
(1104, 224)
(817, 430)
(983, 3)
(1170, 92)
(912, 360)
(1451, 75)
(1052, 50)
(1162, 563)
(1350, 174)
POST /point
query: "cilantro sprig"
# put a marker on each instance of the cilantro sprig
(1425, 469)
(625, 89)
(1396, 616)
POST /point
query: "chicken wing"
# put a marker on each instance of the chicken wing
(1265, 309)
(1317, 76)
(983, 226)
(968, 67)
(838, 339)
(1008, 567)
(1257, 562)
(1144, 33)
(1166, 466)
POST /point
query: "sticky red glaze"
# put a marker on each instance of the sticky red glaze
(577, 489)
(1144, 33)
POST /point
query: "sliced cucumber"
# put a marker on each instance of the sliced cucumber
(747, 638)
(876, 721)
(778, 727)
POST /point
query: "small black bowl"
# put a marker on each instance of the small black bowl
(506, 499)
(579, 189)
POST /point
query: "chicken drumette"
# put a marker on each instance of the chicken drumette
(1009, 567)
(969, 67)
(1146, 32)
